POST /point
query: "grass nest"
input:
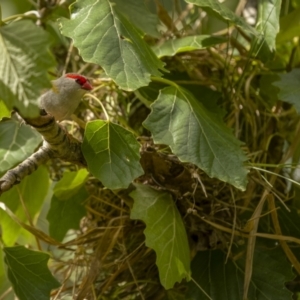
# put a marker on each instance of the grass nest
(109, 257)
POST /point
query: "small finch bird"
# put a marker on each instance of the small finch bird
(65, 95)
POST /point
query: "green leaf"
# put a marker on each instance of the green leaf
(209, 98)
(112, 154)
(67, 207)
(224, 13)
(24, 61)
(271, 270)
(148, 94)
(289, 86)
(33, 189)
(223, 280)
(139, 15)
(268, 26)
(289, 26)
(165, 233)
(188, 43)
(70, 183)
(28, 272)
(217, 279)
(66, 214)
(197, 135)
(268, 21)
(17, 142)
(174, 294)
(267, 90)
(4, 111)
(4, 283)
(289, 222)
(107, 38)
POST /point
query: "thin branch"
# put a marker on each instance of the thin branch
(58, 143)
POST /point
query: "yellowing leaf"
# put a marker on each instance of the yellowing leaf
(70, 183)
(4, 111)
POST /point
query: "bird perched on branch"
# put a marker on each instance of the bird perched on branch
(65, 95)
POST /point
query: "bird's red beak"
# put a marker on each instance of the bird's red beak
(87, 86)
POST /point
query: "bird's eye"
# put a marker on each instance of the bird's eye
(80, 80)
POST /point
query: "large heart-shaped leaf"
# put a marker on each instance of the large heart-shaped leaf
(197, 135)
(165, 233)
(104, 36)
(112, 154)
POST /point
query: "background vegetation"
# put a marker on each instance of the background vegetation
(191, 137)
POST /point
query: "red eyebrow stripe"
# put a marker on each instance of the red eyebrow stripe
(82, 79)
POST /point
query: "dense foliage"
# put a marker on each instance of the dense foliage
(191, 142)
